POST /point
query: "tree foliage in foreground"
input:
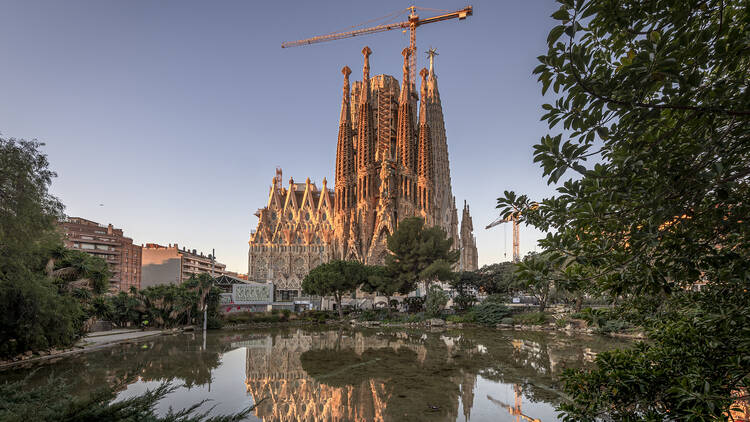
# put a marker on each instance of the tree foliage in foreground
(655, 115)
(35, 312)
(52, 402)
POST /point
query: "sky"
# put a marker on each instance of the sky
(168, 119)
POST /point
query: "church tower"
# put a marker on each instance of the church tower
(425, 175)
(444, 201)
(346, 183)
(468, 258)
(406, 146)
(366, 170)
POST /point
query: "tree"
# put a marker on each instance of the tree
(655, 94)
(28, 212)
(335, 278)
(78, 270)
(498, 279)
(419, 254)
(33, 315)
(465, 283)
(537, 274)
(382, 282)
(435, 302)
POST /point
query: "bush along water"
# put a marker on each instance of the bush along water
(490, 313)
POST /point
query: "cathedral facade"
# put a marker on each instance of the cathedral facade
(391, 163)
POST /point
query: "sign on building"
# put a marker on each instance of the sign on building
(225, 298)
(252, 293)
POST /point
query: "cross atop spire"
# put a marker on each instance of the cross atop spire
(432, 53)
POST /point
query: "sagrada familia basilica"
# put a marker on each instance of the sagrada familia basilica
(391, 163)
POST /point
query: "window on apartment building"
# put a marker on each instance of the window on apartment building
(100, 232)
(87, 238)
(87, 246)
(102, 247)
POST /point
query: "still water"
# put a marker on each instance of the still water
(343, 375)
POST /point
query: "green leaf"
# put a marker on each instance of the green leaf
(554, 34)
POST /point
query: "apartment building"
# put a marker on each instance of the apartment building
(173, 265)
(108, 243)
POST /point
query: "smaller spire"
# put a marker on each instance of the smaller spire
(345, 98)
(406, 52)
(423, 102)
(291, 181)
(365, 96)
(324, 182)
(366, 68)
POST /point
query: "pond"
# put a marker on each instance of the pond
(328, 374)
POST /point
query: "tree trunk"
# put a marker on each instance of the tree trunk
(338, 305)
(542, 304)
(579, 303)
(388, 304)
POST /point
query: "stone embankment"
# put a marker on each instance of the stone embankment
(572, 327)
(91, 342)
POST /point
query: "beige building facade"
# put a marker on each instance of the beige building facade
(391, 163)
(173, 265)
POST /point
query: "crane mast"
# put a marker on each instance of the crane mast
(411, 24)
(513, 218)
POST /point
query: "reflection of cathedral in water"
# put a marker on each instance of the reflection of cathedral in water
(275, 374)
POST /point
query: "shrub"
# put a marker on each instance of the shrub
(459, 318)
(464, 301)
(490, 313)
(373, 315)
(318, 316)
(496, 298)
(34, 316)
(507, 321)
(436, 300)
(414, 304)
(530, 318)
(614, 326)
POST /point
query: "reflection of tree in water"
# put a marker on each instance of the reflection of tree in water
(533, 361)
(179, 358)
(345, 375)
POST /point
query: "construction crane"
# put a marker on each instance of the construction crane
(411, 23)
(514, 410)
(513, 218)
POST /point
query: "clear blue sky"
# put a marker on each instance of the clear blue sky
(174, 114)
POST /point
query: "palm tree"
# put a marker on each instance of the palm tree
(77, 270)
